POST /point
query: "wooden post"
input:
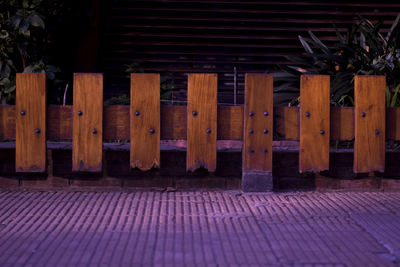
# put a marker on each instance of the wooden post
(145, 121)
(30, 155)
(202, 122)
(87, 140)
(314, 123)
(369, 143)
(258, 133)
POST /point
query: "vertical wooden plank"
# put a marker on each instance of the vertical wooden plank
(87, 140)
(202, 122)
(314, 123)
(145, 121)
(369, 144)
(258, 133)
(30, 151)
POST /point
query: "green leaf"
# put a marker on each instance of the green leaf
(305, 45)
(318, 42)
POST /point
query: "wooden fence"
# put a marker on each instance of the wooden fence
(202, 123)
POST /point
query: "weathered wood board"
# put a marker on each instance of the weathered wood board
(116, 123)
(342, 123)
(257, 133)
(314, 123)
(7, 122)
(228, 116)
(59, 122)
(286, 123)
(369, 143)
(30, 154)
(202, 122)
(145, 121)
(393, 123)
(258, 127)
(87, 140)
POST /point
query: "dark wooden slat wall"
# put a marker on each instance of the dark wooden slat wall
(174, 37)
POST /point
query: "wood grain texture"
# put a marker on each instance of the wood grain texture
(393, 123)
(59, 122)
(116, 123)
(258, 128)
(369, 144)
(145, 121)
(230, 123)
(286, 121)
(87, 141)
(314, 123)
(30, 153)
(342, 123)
(202, 127)
(7, 122)
(173, 122)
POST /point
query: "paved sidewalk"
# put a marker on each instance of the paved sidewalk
(199, 228)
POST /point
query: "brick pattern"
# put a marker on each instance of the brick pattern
(199, 229)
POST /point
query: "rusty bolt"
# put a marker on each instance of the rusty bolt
(265, 113)
(363, 114)
(251, 131)
(22, 112)
(377, 132)
(208, 130)
(80, 113)
(37, 130)
(137, 113)
(194, 113)
(266, 131)
(308, 114)
(94, 131)
(265, 150)
(152, 131)
(322, 132)
(251, 151)
(251, 114)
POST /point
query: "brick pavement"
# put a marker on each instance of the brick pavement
(218, 228)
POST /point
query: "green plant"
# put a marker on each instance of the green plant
(24, 40)
(364, 50)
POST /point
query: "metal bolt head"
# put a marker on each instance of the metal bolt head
(322, 132)
(251, 114)
(251, 151)
(363, 114)
(377, 132)
(208, 130)
(266, 131)
(152, 131)
(251, 131)
(94, 131)
(265, 150)
(265, 113)
(37, 130)
(194, 113)
(80, 113)
(308, 114)
(137, 113)
(22, 112)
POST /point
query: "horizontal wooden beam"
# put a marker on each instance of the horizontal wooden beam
(174, 123)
